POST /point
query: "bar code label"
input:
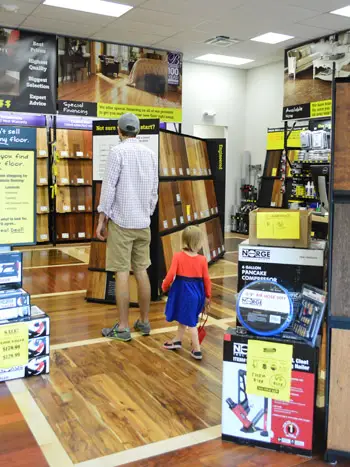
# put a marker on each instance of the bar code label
(178, 198)
(65, 235)
(42, 152)
(165, 224)
(81, 208)
(173, 171)
(43, 237)
(44, 208)
(181, 172)
(80, 180)
(43, 180)
(81, 235)
(64, 180)
(165, 171)
(195, 215)
(182, 220)
(64, 154)
(188, 171)
(79, 154)
(174, 222)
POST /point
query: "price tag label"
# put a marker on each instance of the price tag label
(188, 171)
(42, 152)
(80, 180)
(182, 220)
(195, 216)
(173, 171)
(212, 211)
(81, 208)
(189, 219)
(44, 208)
(165, 224)
(202, 214)
(165, 172)
(66, 208)
(181, 172)
(79, 154)
(43, 237)
(178, 198)
(205, 171)
(216, 210)
(64, 154)
(43, 181)
(65, 235)
(64, 180)
(214, 254)
(13, 345)
(194, 171)
(219, 250)
(209, 171)
(81, 235)
(174, 222)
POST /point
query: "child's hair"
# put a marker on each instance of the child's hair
(192, 239)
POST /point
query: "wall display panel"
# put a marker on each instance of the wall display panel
(342, 138)
(340, 286)
(42, 228)
(73, 227)
(106, 80)
(339, 402)
(42, 200)
(42, 172)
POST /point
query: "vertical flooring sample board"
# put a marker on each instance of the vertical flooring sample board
(342, 138)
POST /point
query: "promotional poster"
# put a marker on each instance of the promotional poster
(107, 80)
(27, 71)
(263, 421)
(309, 73)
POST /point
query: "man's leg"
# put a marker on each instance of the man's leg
(144, 294)
(122, 296)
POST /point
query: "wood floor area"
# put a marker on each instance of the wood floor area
(108, 403)
(99, 88)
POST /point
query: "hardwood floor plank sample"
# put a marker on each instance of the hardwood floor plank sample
(165, 220)
(176, 242)
(277, 196)
(193, 161)
(63, 173)
(97, 282)
(74, 226)
(62, 143)
(42, 200)
(293, 155)
(177, 203)
(187, 200)
(167, 195)
(42, 172)
(42, 228)
(272, 163)
(211, 197)
(76, 143)
(342, 138)
(98, 188)
(41, 143)
(206, 248)
(82, 199)
(87, 137)
(177, 143)
(163, 151)
(340, 286)
(200, 199)
(63, 199)
(98, 255)
(167, 251)
(203, 157)
(339, 421)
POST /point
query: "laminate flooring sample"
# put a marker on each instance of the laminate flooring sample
(42, 228)
(98, 255)
(74, 199)
(98, 188)
(41, 143)
(200, 198)
(74, 226)
(97, 283)
(42, 200)
(42, 172)
(167, 205)
(277, 196)
(187, 200)
(342, 138)
(211, 197)
(340, 286)
(177, 203)
(167, 156)
(193, 160)
(272, 163)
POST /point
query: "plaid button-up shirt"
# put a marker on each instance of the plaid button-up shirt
(130, 186)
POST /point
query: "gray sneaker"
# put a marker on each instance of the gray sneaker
(143, 328)
(114, 333)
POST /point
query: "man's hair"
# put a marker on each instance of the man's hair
(127, 133)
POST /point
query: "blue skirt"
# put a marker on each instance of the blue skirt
(186, 301)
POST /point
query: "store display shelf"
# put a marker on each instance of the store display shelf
(176, 178)
(73, 184)
(302, 177)
(74, 240)
(315, 162)
(109, 302)
(303, 198)
(183, 226)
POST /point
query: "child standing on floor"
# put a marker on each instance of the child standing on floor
(190, 290)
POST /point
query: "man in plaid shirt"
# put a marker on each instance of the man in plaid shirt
(128, 199)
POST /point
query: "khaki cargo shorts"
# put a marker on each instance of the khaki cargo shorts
(127, 249)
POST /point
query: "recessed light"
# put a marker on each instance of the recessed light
(272, 38)
(98, 7)
(217, 58)
(342, 11)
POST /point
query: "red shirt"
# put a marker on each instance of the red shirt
(188, 266)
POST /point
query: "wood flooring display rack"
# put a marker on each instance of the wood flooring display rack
(338, 374)
(191, 192)
(71, 168)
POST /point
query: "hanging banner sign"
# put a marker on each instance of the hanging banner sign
(27, 72)
(73, 123)
(105, 136)
(269, 369)
(7, 118)
(13, 345)
(107, 80)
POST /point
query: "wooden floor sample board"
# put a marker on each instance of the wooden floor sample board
(42, 228)
(340, 287)
(339, 401)
(342, 138)
(272, 163)
(42, 200)
(97, 282)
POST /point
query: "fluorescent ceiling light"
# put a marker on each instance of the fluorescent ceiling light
(98, 7)
(272, 38)
(217, 58)
(342, 11)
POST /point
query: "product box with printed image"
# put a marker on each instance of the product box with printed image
(34, 367)
(289, 267)
(14, 305)
(263, 421)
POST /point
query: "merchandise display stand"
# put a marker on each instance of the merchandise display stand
(191, 192)
(338, 372)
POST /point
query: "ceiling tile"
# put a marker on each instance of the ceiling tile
(195, 8)
(334, 22)
(322, 6)
(55, 26)
(79, 17)
(185, 38)
(302, 31)
(24, 8)
(11, 20)
(125, 37)
(162, 18)
(142, 27)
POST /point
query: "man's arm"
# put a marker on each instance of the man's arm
(154, 193)
(109, 184)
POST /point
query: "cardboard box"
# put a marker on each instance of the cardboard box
(14, 304)
(305, 229)
(268, 423)
(34, 367)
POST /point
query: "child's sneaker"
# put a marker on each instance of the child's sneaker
(196, 355)
(143, 328)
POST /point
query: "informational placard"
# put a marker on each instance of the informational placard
(10, 269)
(278, 225)
(275, 139)
(13, 345)
(269, 369)
(27, 72)
(105, 137)
(117, 79)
